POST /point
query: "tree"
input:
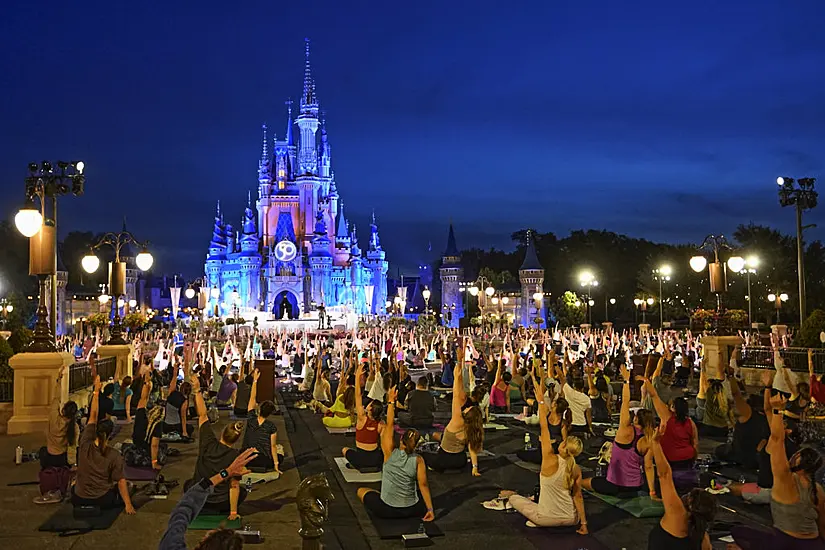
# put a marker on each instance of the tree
(813, 326)
(566, 312)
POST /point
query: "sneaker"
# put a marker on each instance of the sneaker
(52, 497)
(497, 504)
(529, 523)
(300, 405)
(610, 432)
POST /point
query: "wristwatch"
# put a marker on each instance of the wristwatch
(224, 474)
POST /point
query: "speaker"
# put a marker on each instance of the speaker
(117, 279)
(42, 257)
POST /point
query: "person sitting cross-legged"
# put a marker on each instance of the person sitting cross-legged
(261, 434)
(403, 469)
(192, 503)
(420, 406)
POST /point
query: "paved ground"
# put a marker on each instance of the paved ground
(310, 449)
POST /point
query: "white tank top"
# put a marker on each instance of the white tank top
(555, 500)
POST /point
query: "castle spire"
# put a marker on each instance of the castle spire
(264, 165)
(343, 230)
(248, 198)
(375, 242)
(531, 259)
(290, 139)
(308, 99)
(264, 150)
(452, 249)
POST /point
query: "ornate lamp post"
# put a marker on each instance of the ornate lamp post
(588, 280)
(716, 269)
(662, 274)
(643, 303)
(5, 308)
(803, 197)
(777, 300)
(46, 181)
(236, 299)
(426, 295)
(117, 274)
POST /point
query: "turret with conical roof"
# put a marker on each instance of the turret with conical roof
(452, 275)
(531, 277)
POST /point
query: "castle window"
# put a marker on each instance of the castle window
(281, 173)
(280, 184)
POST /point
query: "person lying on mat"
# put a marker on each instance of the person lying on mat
(122, 399)
(797, 500)
(193, 502)
(99, 467)
(403, 469)
(464, 432)
(261, 434)
(216, 455)
(177, 406)
(631, 450)
(368, 429)
(148, 427)
(680, 440)
(686, 519)
(560, 501)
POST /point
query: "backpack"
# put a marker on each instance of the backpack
(55, 479)
(213, 414)
(138, 457)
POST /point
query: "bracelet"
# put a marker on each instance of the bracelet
(475, 466)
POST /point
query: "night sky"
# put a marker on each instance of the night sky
(665, 120)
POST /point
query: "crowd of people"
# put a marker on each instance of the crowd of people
(569, 383)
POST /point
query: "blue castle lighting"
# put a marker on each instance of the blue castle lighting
(297, 251)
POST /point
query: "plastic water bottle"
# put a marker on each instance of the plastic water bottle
(248, 485)
(421, 529)
(18, 455)
(527, 441)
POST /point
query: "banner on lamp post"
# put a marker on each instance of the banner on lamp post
(174, 293)
(369, 290)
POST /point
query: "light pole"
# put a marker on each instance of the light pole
(606, 310)
(117, 274)
(588, 280)
(662, 274)
(777, 300)
(716, 269)
(803, 197)
(642, 304)
(236, 298)
(749, 267)
(538, 298)
(215, 294)
(426, 295)
(45, 181)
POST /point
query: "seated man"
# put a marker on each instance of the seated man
(420, 407)
(147, 432)
(261, 434)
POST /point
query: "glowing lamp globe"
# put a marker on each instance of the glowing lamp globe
(489, 291)
(190, 293)
(538, 296)
(698, 263)
(666, 270)
(591, 303)
(612, 301)
(90, 263)
(780, 180)
(132, 303)
(103, 298)
(650, 301)
(495, 301)
(426, 293)
(637, 302)
(144, 260)
(28, 220)
(474, 290)
(736, 263)
(577, 303)
(771, 297)
(783, 297)
(80, 166)
(120, 302)
(215, 293)
(505, 300)
(753, 261)
(9, 308)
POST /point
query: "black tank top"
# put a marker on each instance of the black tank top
(660, 539)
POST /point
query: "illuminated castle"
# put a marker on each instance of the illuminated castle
(297, 251)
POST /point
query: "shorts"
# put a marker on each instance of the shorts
(604, 487)
(754, 494)
(374, 504)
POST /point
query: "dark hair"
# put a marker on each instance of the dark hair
(578, 383)
(423, 383)
(186, 388)
(266, 409)
(232, 432)
(810, 461)
(701, 508)
(601, 384)
(409, 440)
(69, 412)
(507, 377)
(348, 398)
(221, 539)
(377, 409)
(646, 421)
(248, 379)
(108, 390)
(563, 409)
(681, 409)
(124, 385)
(103, 430)
(756, 402)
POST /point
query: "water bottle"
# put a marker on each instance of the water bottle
(421, 529)
(527, 441)
(248, 483)
(18, 455)
(742, 479)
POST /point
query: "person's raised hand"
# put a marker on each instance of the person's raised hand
(625, 373)
(238, 467)
(778, 401)
(256, 374)
(392, 394)
(767, 377)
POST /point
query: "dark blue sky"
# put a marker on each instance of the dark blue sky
(657, 119)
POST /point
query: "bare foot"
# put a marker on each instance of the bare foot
(506, 494)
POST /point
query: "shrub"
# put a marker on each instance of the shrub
(809, 332)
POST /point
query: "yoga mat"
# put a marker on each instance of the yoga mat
(638, 506)
(557, 538)
(64, 522)
(394, 528)
(504, 415)
(138, 474)
(340, 430)
(178, 441)
(209, 523)
(260, 478)
(535, 468)
(493, 426)
(352, 475)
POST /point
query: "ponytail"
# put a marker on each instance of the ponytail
(69, 412)
(409, 440)
(701, 507)
(573, 447)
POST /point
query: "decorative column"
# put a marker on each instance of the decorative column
(123, 356)
(34, 386)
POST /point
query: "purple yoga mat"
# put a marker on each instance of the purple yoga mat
(138, 474)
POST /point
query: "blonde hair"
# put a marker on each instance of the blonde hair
(574, 446)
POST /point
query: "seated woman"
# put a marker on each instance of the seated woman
(261, 434)
(686, 519)
(560, 500)
(680, 440)
(216, 454)
(500, 391)
(631, 450)
(148, 427)
(464, 432)
(340, 415)
(797, 406)
(716, 417)
(193, 502)
(322, 392)
(751, 431)
(599, 393)
(242, 392)
(177, 407)
(100, 480)
(368, 428)
(797, 500)
(61, 434)
(122, 398)
(518, 390)
(402, 470)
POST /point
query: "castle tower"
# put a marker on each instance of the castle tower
(249, 262)
(308, 122)
(531, 276)
(217, 253)
(452, 273)
(264, 185)
(320, 262)
(343, 243)
(326, 152)
(378, 266)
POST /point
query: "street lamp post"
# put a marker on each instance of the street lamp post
(803, 197)
(716, 269)
(588, 280)
(426, 295)
(777, 300)
(747, 268)
(5, 308)
(612, 302)
(642, 304)
(662, 274)
(46, 181)
(117, 274)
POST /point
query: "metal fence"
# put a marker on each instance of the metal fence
(796, 359)
(80, 373)
(7, 390)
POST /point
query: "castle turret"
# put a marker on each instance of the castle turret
(377, 264)
(217, 254)
(325, 151)
(531, 277)
(452, 273)
(320, 261)
(308, 122)
(343, 243)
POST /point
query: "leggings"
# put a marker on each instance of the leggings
(263, 462)
(361, 459)
(754, 539)
(442, 460)
(337, 421)
(48, 460)
(373, 503)
(531, 511)
(111, 499)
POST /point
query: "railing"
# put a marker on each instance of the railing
(80, 373)
(796, 359)
(7, 391)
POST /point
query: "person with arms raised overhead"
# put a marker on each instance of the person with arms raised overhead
(368, 428)
(261, 434)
